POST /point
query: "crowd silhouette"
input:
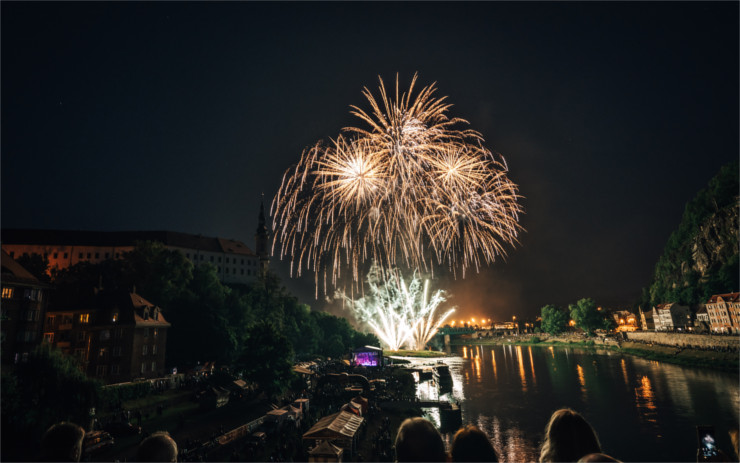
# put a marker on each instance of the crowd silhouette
(568, 437)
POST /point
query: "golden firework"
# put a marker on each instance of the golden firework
(409, 188)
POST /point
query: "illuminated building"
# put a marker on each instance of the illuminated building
(24, 302)
(724, 312)
(671, 316)
(233, 260)
(117, 336)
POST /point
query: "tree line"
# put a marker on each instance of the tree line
(585, 313)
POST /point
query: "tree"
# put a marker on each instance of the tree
(160, 274)
(36, 264)
(48, 388)
(266, 358)
(554, 319)
(586, 315)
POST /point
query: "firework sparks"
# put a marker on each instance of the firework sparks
(409, 188)
(400, 313)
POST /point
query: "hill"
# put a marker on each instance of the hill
(701, 256)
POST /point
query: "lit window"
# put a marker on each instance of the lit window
(7, 293)
(155, 331)
(84, 318)
(49, 337)
(102, 352)
(115, 317)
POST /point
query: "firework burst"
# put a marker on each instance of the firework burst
(409, 187)
(399, 313)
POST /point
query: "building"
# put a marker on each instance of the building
(624, 320)
(233, 260)
(646, 320)
(671, 316)
(24, 303)
(724, 313)
(119, 337)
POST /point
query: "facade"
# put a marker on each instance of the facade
(119, 338)
(624, 320)
(724, 313)
(233, 260)
(24, 303)
(646, 320)
(671, 316)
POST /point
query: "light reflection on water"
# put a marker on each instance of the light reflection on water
(642, 410)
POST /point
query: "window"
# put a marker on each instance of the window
(7, 293)
(97, 255)
(155, 332)
(143, 367)
(101, 370)
(105, 335)
(187, 255)
(80, 336)
(118, 254)
(55, 255)
(89, 255)
(146, 332)
(107, 255)
(201, 257)
(12, 254)
(50, 320)
(84, 318)
(154, 366)
(115, 317)
(115, 370)
(211, 258)
(242, 261)
(226, 270)
(66, 255)
(242, 271)
(102, 352)
(219, 260)
(80, 354)
(144, 349)
(49, 337)
(249, 272)
(154, 349)
(79, 256)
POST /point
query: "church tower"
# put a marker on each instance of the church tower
(262, 244)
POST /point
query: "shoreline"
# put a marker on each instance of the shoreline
(715, 360)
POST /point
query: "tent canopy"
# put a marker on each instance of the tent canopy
(340, 425)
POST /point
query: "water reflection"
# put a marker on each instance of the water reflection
(645, 400)
(642, 410)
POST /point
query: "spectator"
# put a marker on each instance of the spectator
(62, 442)
(157, 447)
(568, 437)
(419, 440)
(472, 444)
(597, 457)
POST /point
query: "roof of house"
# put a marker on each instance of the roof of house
(728, 297)
(325, 448)
(336, 426)
(13, 271)
(123, 238)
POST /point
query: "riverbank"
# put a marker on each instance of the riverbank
(716, 360)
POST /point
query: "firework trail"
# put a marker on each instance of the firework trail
(399, 313)
(408, 188)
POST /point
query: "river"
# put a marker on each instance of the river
(642, 410)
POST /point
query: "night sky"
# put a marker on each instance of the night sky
(178, 116)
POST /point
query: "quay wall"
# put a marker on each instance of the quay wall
(685, 339)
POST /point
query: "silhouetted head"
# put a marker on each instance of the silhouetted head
(472, 444)
(568, 437)
(597, 458)
(419, 440)
(157, 447)
(62, 442)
